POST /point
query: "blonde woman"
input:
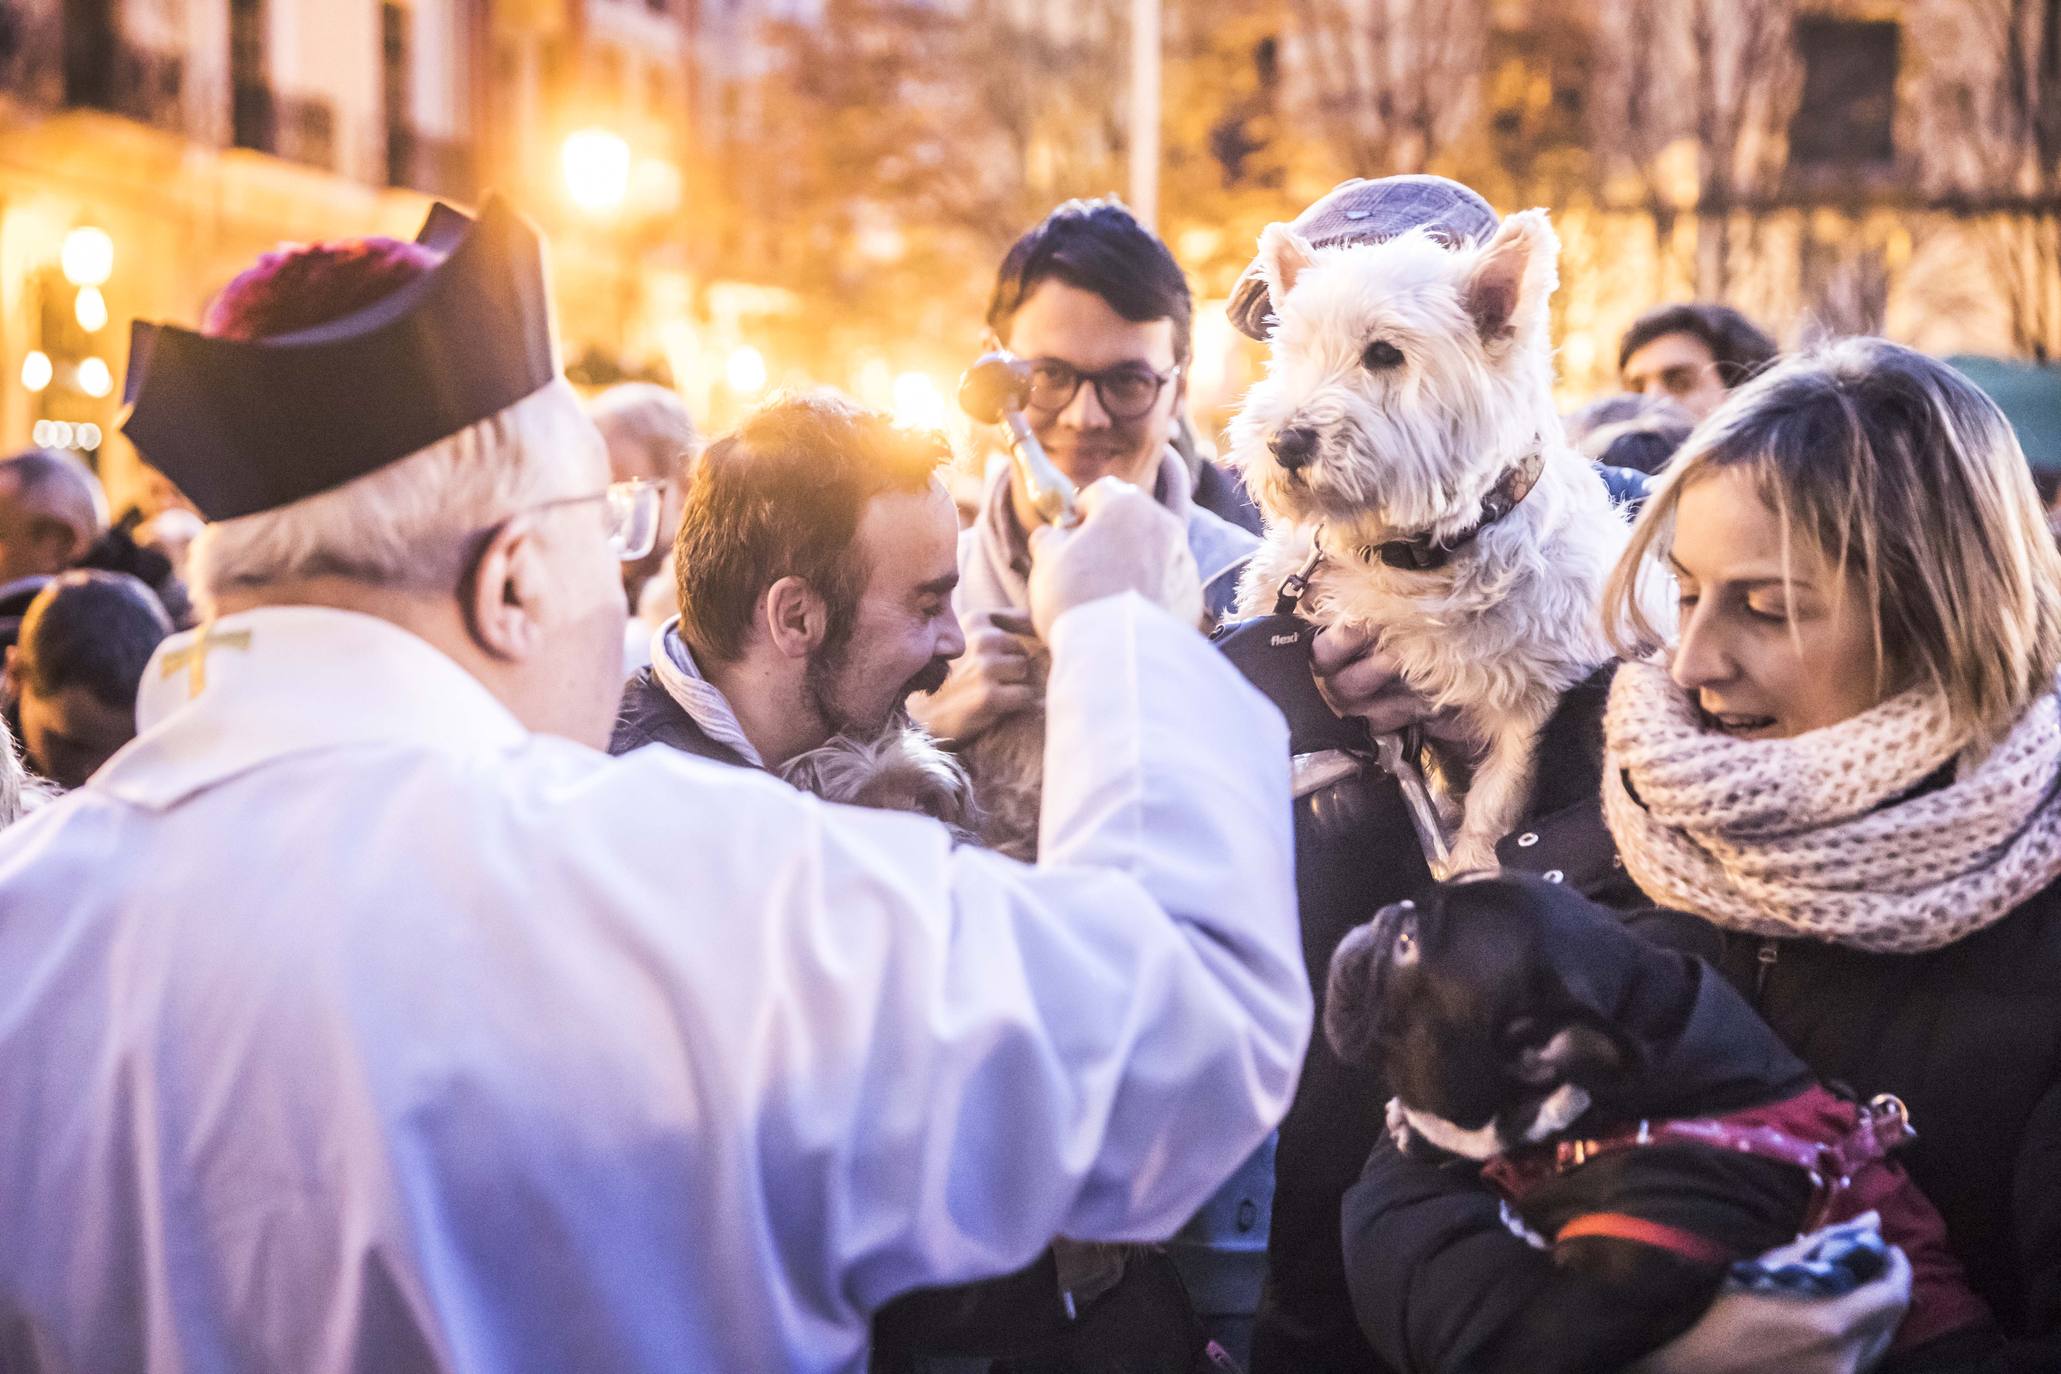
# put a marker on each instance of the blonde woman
(1846, 757)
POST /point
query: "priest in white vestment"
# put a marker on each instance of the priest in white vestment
(362, 1015)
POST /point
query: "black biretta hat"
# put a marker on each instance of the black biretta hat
(243, 426)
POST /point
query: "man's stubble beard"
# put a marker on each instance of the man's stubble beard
(822, 678)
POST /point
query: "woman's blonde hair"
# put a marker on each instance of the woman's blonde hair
(1908, 480)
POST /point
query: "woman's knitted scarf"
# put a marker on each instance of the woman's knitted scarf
(1828, 835)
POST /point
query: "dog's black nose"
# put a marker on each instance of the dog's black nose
(1293, 448)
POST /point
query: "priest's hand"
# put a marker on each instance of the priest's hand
(1125, 542)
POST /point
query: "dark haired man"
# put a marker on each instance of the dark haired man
(816, 565)
(1692, 353)
(84, 643)
(1102, 312)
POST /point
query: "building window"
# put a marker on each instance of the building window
(1848, 113)
(395, 74)
(252, 121)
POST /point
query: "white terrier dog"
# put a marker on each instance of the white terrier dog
(1406, 430)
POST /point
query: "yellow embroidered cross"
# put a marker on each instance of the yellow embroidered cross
(193, 659)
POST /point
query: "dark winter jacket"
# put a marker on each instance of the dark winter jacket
(649, 716)
(1348, 866)
(1969, 1037)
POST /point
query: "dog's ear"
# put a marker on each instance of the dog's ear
(1574, 1052)
(1508, 287)
(1283, 254)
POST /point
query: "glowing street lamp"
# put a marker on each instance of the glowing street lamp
(37, 370)
(87, 256)
(91, 309)
(918, 404)
(94, 378)
(746, 370)
(596, 164)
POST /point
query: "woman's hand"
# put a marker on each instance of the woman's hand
(1357, 677)
(1746, 1331)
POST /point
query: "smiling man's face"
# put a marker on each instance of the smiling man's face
(1063, 323)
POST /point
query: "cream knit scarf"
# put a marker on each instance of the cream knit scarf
(1815, 836)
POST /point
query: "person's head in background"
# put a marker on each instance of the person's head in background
(649, 435)
(1855, 522)
(495, 544)
(1102, 312)
(816, 560)
(75, 671)
(1693, 354)
(1630, 431)
(51, 511)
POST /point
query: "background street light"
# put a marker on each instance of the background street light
(596, 164)
(91, 308)
(87, 256)
(746, 370)
(94, 378)
(37, 370)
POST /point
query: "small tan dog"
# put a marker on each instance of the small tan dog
(1406, 428)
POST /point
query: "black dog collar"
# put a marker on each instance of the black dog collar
(1422, 553)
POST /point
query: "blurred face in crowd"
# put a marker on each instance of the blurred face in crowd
(41, 532)
(1061, 324)
(69, 733)
(1768, 648)
(634, 452)
(1680, 367)
(902, 634)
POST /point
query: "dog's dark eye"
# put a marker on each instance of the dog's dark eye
(1380, 356)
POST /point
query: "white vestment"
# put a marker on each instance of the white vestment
(347, 1026)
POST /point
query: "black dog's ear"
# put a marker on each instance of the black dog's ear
(1574, 1052)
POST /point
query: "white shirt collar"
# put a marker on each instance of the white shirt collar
(674, 669)
(284, 680)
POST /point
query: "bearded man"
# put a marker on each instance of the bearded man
(816, 562)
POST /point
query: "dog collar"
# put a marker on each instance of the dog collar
(1423, 553)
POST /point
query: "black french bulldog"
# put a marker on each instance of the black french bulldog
(1644, 1129)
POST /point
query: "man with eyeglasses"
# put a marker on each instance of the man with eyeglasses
(361, 1014)
(1102, 312)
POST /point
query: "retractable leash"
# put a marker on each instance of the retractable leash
(1273, 651)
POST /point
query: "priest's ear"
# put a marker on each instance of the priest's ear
(505, 593)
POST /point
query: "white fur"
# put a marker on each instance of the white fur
(1512, 620)
(1561, 1109)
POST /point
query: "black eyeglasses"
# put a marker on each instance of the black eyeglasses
(1126, 391)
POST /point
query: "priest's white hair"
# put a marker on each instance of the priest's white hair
(414, 523)
(20, 792)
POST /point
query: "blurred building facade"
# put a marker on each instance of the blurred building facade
(819, 189)
(1830, 166)
(199, 133)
